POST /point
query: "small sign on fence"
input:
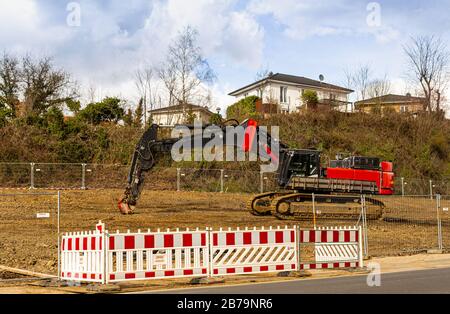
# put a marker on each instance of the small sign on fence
(159, 259)
(43, 215)
(445, 209)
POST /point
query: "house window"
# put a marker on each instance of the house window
(403, 109)
(283, 94)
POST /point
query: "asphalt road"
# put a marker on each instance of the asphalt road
(421, 281)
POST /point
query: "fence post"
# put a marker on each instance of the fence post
(439, 222)
(178, 179)
(431, 189)
(106, 256)
(403, 186)
(261, 182)
(314, 210)
(59, 233)
(83, 176)
(100, 227)
(221, 180)
(297, 246)
(210, 253)
(360, 248)
(32, 175)
(364, 225)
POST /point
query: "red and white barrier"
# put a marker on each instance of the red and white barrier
(253, 251)
(98, 256)
(82, 255)
(137, 256)
(333, 247)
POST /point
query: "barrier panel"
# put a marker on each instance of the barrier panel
(147, 255)
(82, 255)
(103, 257)
(331, 248)
(253, 251)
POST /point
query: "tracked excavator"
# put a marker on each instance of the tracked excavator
(335, 189)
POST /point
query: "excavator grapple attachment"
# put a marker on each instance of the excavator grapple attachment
(125, 208)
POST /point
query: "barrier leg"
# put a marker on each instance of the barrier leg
(210, 272)
(360, 248)
(297, 246)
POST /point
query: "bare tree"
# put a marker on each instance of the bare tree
(361, 79)
(144, 84)
(428, 59)
(185, 68)
(379, 87)
(36, 82)
(262, 74)
(349, 81)
(9, 82)
(44, 86)
(91, 93)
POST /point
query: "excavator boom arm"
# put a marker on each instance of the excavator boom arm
(150, 147)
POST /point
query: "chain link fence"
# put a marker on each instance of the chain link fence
(409, 224)
(411, 186)
(444, 216)
(95, 176)
(393, 225)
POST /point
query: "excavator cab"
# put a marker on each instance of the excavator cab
(298, 162)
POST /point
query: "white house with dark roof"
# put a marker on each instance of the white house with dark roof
(286, 91)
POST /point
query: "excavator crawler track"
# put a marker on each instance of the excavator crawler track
(298, 206)
(259, 205)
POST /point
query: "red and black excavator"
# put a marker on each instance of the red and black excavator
(300, 176)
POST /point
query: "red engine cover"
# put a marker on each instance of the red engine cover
(386, 166)
(384, 179)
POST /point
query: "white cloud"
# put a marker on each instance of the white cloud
(117, 37)
(221, 98)
(21, 28)
(243, 40)
(222, 30)
(309, 18)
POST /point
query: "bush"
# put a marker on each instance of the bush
(419, 147)
(310, 98)
(5, 115)
(108, 110)
(243, 109)
(215, 119)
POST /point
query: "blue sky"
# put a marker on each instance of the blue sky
(305, 38)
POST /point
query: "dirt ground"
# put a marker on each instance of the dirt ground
(30, 243)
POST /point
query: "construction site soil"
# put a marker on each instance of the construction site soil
(408, 225)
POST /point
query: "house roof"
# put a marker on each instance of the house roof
(180, 108)
(391, 99)
(299, 80)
